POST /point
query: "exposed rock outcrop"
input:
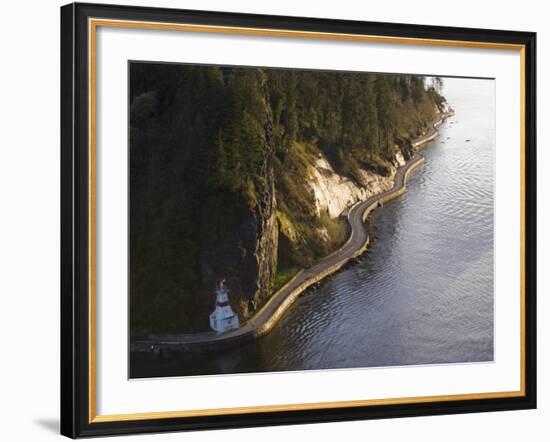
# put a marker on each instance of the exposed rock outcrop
(336, 193)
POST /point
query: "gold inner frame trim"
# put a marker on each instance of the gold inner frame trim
(93, 24)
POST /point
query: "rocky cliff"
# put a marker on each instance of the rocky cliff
(334, 193)
(246, 256)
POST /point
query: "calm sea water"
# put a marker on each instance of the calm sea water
(422, 294)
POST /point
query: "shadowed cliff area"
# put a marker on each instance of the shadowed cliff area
(225, 167)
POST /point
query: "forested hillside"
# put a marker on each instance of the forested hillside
(221, 182)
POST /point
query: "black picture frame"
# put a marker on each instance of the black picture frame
(76, 402)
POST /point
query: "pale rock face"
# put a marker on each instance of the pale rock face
(336, 193)
(323, 232)
(399, 159)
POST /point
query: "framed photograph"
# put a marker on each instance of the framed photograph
(275, 220)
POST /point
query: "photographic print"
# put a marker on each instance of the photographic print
(287, 219)
(271, 220)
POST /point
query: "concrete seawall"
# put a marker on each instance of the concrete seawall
(264, 320)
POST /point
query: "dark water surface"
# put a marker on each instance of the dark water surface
(422, 294)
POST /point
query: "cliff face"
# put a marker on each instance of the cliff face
(334, 193)
(246, 256)
(321, 226)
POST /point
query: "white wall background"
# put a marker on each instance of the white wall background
(29, 220)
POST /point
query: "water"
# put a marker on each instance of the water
(423, 293)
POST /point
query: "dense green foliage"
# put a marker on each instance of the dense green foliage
(199, 137)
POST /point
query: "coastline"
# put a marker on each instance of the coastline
(264, 320)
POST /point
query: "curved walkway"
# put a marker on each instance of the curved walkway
(264, 320)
